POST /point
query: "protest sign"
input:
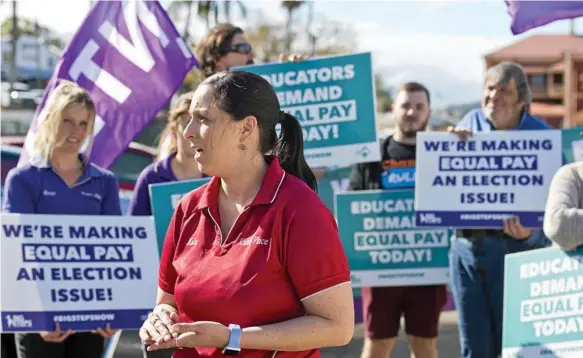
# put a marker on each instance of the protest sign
(79, 271)
(131, 59)
(333, 98)
(164, 198)
(489, 177)
(543, 304)
(573, 144)
(383, 246)
(335, 180)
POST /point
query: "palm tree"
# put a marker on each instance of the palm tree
(204, 10)
(291, 7)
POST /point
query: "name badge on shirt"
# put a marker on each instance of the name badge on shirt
(95, 196)
(396, 178)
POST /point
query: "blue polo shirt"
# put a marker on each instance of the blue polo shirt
(477, 122)
(36, 188)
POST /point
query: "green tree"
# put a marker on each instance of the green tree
(205, 9)
(31, 28)
(269, 40)
(291, 7)
(383, 95)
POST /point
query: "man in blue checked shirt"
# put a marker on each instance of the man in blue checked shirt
(477, 256)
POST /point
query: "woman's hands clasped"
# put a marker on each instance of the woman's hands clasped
(157, 328)
(162, 331)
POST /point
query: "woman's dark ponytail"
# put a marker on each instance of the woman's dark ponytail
(289, 148)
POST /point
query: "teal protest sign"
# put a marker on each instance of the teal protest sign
(334, 100)
(573, 144)
(543, 304)
(164, 198)
(383, 246)
(336, 180)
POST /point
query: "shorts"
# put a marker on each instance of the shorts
(383, 307)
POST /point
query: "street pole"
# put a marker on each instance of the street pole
(14, 45)
(39, 41)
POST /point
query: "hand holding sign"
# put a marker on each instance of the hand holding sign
(57, 336)
(463, 134)
(514, 229)
(293, 57)
(105, 333)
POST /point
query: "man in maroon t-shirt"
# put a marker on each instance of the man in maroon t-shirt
(384, 306)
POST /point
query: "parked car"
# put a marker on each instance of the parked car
(126, 168)
(21, 95)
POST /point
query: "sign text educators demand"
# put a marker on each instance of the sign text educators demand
(333, 99)
(382, 243)
(543, 315)
(320, 105)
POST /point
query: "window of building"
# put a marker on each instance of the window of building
(538, 81)
(558, 79)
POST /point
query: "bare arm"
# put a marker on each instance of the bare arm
(165, 299)
(563, 223)
(329, 322)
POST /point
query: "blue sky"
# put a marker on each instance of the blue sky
(439, 42)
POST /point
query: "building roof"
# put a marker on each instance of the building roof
(539, 48)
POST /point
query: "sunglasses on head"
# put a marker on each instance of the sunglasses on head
(243, 48)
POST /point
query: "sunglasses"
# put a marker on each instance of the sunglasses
(243, 48)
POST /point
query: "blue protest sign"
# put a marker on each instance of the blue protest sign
(490, 177)
(543, 304)
(164, 198)
(76, 271)
(334, 100)
(383, 246)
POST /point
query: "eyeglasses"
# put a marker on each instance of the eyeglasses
(243, 48)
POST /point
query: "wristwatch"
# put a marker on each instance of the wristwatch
(233, 348)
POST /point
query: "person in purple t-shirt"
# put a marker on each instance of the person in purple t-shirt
(175, 159)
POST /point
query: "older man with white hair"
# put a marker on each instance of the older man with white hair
(477, 256)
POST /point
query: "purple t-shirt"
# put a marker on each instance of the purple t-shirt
(157, 172)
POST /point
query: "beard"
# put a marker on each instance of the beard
(412, 132)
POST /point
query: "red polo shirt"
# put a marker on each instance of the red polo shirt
(283, 248)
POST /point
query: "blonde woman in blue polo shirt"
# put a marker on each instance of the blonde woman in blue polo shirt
(56, 181)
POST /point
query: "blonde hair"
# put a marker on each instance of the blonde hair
(168, 141)
(51, 117)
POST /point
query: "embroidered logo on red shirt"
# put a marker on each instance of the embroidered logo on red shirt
(192, 242)
(254, 241)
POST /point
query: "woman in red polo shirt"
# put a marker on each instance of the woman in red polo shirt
(252, 261)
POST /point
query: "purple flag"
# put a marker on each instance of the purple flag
(131, 59)
(530, 14)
